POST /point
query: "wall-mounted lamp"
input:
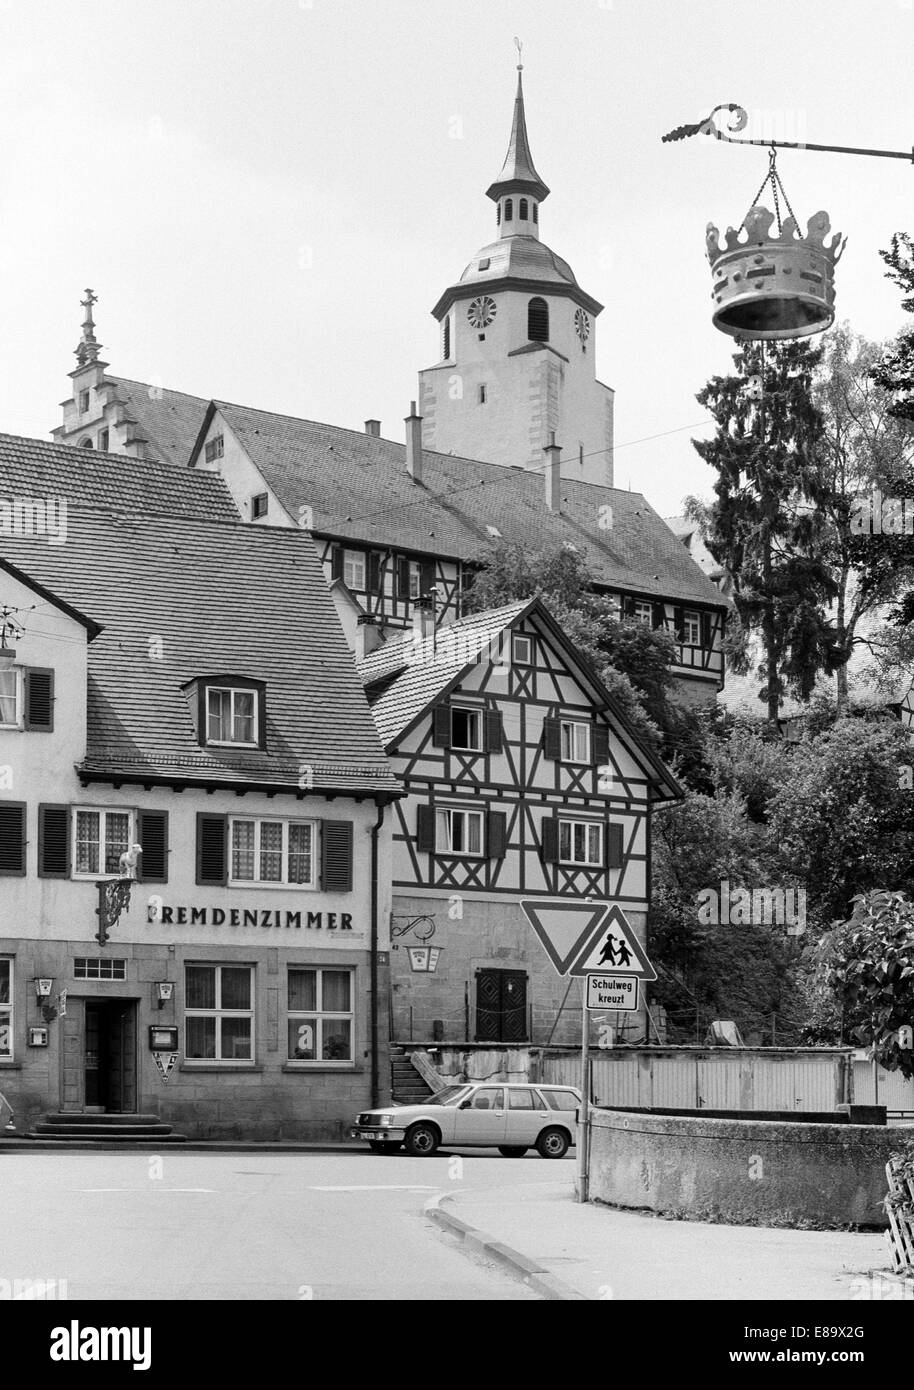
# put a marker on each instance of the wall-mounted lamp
(164, 991)
(424, 959)
(43, 988)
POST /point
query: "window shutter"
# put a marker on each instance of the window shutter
(600, 744)
(706, 629)
(493, 731)
(336, 856)
(212, 848)
(425, 829)
(549, 844)
(496, 835)
(552, 738)
(426, 577)
(658, 615)
(336, 562)
(441, 726)
(628, 607)
(374, 572)
(12, 839)
(153, 836)
(53, 841)
(614, 846)
(679, 624)
(402, 577)
(39, 699)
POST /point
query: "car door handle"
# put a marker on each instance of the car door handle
(498, 1112)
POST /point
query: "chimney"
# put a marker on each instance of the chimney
(424, 617)
(414, 444)
(367, 635)
(373, 427)
(553, 474)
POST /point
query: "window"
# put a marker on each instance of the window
(509, 209)
(498, 215)
(214, 449)
(520, 1098)
(415, 579)
(459, 832)
(522, 649)
(259, 506)
(488, 1098)
(447, 336)
(99, 840)
(538, 321)
(643, 611)
(83, 403)
(10, 698)
(103, 440)
(219, 1013)
(86, 443)
(354, 569)
(99, 968)
(561, 1100)
(6, 1008)
(272, 851)
(536, 212)
(231, 716)
(482, 393)
(320, 1015)
(575, 738)
(580, 842)
(691, 628)
(466, 729)
(485, 262)
(523, 211)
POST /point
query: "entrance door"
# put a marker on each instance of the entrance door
(501, 1006)
(110, 1055)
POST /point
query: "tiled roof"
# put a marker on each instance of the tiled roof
(170, 420)
(177, 599)
(38, 469)
(359, 490)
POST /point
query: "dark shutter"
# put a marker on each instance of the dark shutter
(706, 629)
(12, 838)
(679, 624)
(402, 577)
(153, 836)
(426, 577)
(614, 846)
(425, 829)
(600, 744)
(39, 700)
(336, 856)
(552, 738)
(53, 841)
(628, 607)
(658, 614)
(336, 562)
(374, 572)
(496, 835)
(441, 726)
(549, 843)
(493, 734)
(212, 848)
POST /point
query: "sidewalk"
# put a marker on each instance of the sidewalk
(594, 1252)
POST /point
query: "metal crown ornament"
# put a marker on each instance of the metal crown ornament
(781, 286)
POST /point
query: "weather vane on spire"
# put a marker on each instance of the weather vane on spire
(88, 348)
(520, 53)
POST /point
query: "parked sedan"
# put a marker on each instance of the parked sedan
(509, 1116)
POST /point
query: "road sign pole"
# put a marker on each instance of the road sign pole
(583, 1145)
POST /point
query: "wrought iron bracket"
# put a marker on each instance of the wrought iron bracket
(412, 924)
(737, 120)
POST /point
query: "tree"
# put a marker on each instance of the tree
(895, 372)
(764, 526)
(866, 966)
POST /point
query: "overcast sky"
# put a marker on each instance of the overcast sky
(268, 196)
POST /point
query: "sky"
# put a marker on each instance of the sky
(268, 196)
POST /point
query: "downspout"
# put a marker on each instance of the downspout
(373, 964)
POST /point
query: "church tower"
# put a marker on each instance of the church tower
(517, 341)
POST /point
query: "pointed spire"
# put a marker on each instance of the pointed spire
(88, 349)
(518, 174)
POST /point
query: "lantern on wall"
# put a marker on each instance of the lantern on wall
(424, 959)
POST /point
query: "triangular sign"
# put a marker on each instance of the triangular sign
(614, 947)
(563, 925)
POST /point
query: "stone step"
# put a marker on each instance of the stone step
(109, 1137)
(93, 1131)
(113, 1117)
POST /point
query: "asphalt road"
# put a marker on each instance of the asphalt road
(249, 1225)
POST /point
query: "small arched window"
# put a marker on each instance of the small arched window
(524, 210)
(447, 336)
(509, 209)
(536, 212)
(538, 321)
(86, 444)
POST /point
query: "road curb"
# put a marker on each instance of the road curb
(65, 1146)
(532, 1273)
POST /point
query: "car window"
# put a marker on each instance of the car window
(521, 1099)
(446, 1097)
(561, 1100)
(488, 1098)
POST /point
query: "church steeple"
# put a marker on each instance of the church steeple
(518, 181)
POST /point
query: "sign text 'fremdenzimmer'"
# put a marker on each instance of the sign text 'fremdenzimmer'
(247, 917)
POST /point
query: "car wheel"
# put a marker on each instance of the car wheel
(382, 1146)
(422, 1141)
(552, 1143)
(512, 1150)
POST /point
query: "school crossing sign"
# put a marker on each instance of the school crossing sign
(582, 937)
(615, 949)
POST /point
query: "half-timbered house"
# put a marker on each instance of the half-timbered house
(524, 780)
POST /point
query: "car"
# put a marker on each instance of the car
(510, 1116)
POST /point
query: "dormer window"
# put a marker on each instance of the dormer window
(231, 716)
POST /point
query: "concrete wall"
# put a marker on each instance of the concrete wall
(746, 1172)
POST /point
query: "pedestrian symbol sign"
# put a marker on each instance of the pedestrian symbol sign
(613, 947)
(564, 926)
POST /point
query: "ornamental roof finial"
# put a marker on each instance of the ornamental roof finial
(88, 348)
(518, 173)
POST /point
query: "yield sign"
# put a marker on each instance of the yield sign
(614, 947)
(564, 926)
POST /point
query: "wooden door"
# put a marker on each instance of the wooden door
(501, 1006)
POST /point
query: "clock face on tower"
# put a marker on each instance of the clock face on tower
(581, 325)
(482, 311)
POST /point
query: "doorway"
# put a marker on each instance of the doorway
(501, 1006)
(110, 1055)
